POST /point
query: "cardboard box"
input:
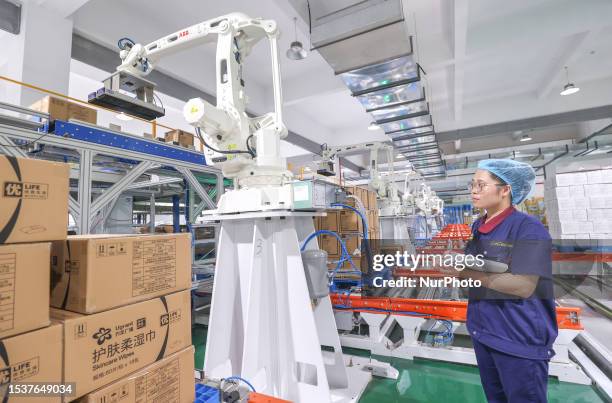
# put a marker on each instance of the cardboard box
(373, 222)
(606, 176)
(565, 204)
(179, 136)
(353, 244)
(585, 227)
(601, 226)
(372, 203)
(33, 357)
(569, 227)
(362, 194)
(579, 215)
(61, 109)
(168, 380)
(350, 221)
(164, 229)
(594, 177)
(571, 178)
(24, 287)
(331, 221)
(577, 190)
(562, 192)
(595, 190)
(93, 273)
(33, 200)
(329, 244)
(106, 346)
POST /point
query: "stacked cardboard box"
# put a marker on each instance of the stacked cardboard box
(33, 210)
(105, 347)
(167, 380)
(125, 306)
(179, 137)
(349, 226)
(579, 204)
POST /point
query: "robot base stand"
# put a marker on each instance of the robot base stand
(263, 325)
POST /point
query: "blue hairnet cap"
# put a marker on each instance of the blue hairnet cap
(519, 175)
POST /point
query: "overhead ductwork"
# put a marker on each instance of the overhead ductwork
(367, 44)
(351, 34)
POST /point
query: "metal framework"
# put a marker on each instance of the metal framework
(88, 141)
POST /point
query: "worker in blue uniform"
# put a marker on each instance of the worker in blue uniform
(511, 317)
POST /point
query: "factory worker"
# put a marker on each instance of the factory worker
(512, 317)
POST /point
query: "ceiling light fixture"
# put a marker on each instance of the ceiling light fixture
(400, 156)
(296, 50)
(373, 126)
(569, 88)
(123, 116)
(525, 138)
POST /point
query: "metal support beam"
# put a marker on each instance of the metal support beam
(176, 214)
(146, 184)
(199, 208)
(75, 208)
(220, 187)
(84, 219)
(152, 214)
(582, 115)
(114, 191)
(6, 147)
(193, 182)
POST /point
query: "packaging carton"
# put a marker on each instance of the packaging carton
(24, 287)
(168, 380)
(179, 136)
(104, 347)
(61, 109)
(32, 357)
(33, 200)
(93, 273)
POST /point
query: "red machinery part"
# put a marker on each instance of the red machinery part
(567, 317)
(255, 397)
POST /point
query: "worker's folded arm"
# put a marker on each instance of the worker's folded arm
(520, 285)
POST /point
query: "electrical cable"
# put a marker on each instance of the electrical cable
(249, 147)
(366, 244)
(122, 42)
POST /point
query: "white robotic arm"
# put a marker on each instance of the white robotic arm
(225, 128)
(386, 189)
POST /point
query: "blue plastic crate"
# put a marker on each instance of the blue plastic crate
(206, 394)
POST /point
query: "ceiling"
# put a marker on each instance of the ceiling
(486, 62)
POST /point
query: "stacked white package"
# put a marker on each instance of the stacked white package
(579, 204)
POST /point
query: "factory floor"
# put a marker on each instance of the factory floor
(431, 381)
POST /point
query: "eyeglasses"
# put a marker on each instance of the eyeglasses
(479, 186)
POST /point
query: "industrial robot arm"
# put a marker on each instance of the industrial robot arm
(225, 128)
(385, 189)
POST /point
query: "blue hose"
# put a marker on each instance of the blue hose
(368, 251)
(345, 255)
(363, 219)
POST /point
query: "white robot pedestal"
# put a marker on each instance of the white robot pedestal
(263, 325)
